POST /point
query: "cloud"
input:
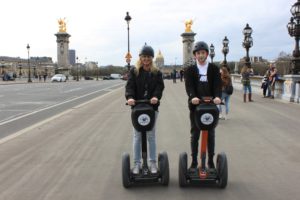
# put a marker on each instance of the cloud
(99, 32)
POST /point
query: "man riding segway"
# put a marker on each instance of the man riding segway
(203, 87)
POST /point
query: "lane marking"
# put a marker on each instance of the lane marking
(61, 103)
(27, 129)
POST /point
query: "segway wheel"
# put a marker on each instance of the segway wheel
(126, 170)
(222, 169)
(163, 163)
(182, 170)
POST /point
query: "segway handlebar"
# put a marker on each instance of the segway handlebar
(141, 101)
(207, 100)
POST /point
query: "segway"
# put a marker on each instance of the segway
(206, 118)
(143, 120)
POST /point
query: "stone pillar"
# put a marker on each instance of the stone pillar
(297, 93)
(188, 42)
(63, 65)
(289, 88)
(236, 67)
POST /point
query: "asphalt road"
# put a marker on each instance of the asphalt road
(23, 105)
(77, 154)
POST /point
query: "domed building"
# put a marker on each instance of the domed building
(159, 60)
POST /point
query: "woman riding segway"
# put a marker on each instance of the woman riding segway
(145, 82)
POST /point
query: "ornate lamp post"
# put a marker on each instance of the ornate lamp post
(77, 78)
(294, 30)
(29, 73)
(128, 55)
(225, 50)
(97, 71)
(212, 52)
(20, 69)
(34, 71)
(247, 43)
(2, 66)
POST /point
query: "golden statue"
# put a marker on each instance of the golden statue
(62, 25)
(188, 26)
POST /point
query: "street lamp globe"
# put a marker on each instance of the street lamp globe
(247, 31)
(127, 18)
(212, 52)
(291, 27)
(225, 49)
(295, 10)
(225, 41)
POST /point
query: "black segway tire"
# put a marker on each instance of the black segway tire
(182, 170)
(163, 163)
(222, 169)
(126, 170)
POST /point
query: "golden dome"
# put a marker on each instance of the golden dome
(159, 55)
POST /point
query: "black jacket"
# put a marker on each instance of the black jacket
(191, 74)
(137, 85)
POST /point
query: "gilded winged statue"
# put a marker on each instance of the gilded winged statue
(62, 25)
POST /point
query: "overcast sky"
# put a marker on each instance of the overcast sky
(99, 32)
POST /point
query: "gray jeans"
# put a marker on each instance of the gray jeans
(137, 144)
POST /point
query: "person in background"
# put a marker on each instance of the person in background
(246, 72)
(226, 81)
(265, 83)
(273, 77)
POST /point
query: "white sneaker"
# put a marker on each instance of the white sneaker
(153, 168)
(136, 169)
(226, 117)
(220, 116)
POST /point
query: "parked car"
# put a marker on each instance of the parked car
(88, 78)
(115, 76)
(8, 77)
(59, 78)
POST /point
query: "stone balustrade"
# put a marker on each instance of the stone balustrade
(286, 88)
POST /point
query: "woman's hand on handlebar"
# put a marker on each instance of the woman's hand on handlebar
(131, 102)
(217, 100)
(195, 101)
(154, 100)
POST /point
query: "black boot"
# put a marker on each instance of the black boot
(250, 97)
(210, 162)
(194, 164)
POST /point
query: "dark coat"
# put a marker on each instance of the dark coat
(137, 84)
(191, 74)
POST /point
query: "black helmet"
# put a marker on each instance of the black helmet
(147, 51)
(200, 46)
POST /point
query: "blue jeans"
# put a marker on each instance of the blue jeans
(247, 87)
(226, 98)
(137, 144)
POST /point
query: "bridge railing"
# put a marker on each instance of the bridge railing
(286, 88)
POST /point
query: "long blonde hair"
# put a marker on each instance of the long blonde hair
(138, 65)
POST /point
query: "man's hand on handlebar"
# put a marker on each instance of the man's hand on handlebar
(217, 100)
(153, 100)
(196, 100)
(131, 102)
